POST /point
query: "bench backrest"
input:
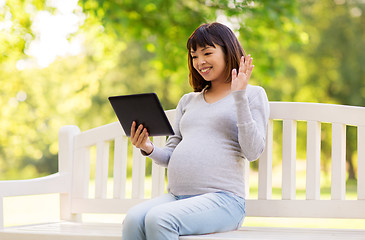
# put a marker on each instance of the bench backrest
(314, 115)
(110, 191)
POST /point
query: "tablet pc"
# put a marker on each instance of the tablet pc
(143, 108)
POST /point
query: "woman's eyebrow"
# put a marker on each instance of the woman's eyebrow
(203, 49)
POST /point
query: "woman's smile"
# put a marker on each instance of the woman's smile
(205, 70)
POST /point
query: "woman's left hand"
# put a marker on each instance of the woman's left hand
(240, 80)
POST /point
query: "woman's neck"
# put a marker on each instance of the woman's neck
(216, 92)
(220, 88)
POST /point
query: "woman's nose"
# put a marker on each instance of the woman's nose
(201, 61)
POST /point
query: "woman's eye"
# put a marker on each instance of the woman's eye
(193, 57)
(207, 54)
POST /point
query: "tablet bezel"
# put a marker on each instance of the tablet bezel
(144, 108)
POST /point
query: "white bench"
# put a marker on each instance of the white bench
(76, 148)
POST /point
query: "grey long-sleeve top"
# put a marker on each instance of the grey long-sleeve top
(211, 140)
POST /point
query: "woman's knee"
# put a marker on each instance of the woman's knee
(134, 218)
(159, 220)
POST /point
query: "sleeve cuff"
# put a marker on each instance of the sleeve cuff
(146, 154)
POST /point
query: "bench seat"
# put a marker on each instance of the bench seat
(113, 231)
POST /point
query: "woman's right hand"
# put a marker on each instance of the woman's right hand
(139, 138)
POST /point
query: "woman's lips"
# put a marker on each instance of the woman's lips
(205, 70)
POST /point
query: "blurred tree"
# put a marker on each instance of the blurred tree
(163, 27)
(330, 67)
(265, 28)
(128, 47)
(340, 59)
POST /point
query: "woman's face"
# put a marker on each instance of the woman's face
(210, 62)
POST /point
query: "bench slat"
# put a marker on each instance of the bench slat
(276, 233)
(289, 159)
(321, 112)
(63, 231)
(306, 208)
(158, 172)
(313, 160)
(81, 173)
(361, 162)
(158, 180)
(247, 170)
(1, 213)
(254, 208)
(104, 206)
(101, 169)
(171, 116)
(66, 156)
(265, 166)
(120, 167)
(138, 174)
(104, 133)
(338, 166)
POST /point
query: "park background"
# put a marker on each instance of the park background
(61, 59)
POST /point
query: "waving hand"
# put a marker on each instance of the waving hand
(240, 80)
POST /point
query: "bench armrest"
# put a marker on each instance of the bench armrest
(55, 183)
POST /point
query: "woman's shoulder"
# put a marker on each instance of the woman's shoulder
(255, 91)
(186, 98)
(252, 90)
(191, 95)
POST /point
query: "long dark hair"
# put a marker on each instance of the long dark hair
(212, 34)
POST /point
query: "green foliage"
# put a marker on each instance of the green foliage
(130, 46)
(330, 67)
(161, 28)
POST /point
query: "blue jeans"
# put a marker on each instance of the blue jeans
(168, 216)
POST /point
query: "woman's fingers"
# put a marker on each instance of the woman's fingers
(248, 66)
(142, 138)
(138, 136)
(249, 72)
(248, 60)
(234, 74)
(240, 79)
(243, 66)
(136, 133)
(133, 129)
